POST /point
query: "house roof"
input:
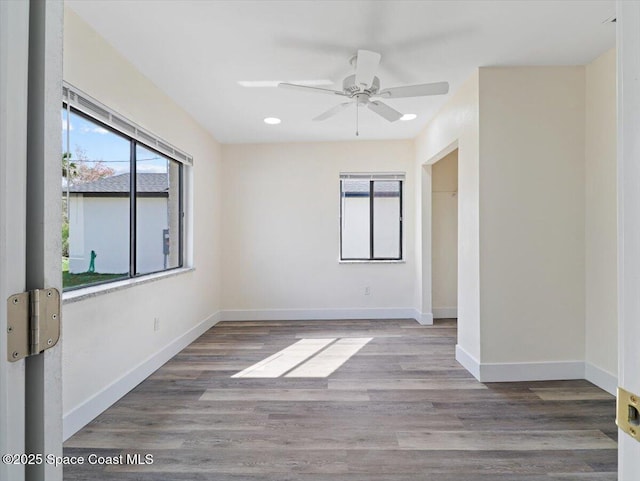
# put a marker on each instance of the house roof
(121, 183)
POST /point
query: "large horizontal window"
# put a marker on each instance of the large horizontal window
(371, 217)
(122, 204)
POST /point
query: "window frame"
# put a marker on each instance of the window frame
(372, 179)
(133, 194)
(134, 209)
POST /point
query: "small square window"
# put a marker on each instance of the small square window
(371, 218)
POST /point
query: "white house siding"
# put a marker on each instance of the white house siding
(151, 221)
(101, 224)
(104, 228)
(386, 233)
(355, 227)
(76, 235)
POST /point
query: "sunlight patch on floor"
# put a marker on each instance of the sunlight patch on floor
(306, 358)
(285, 360)
(330, 358)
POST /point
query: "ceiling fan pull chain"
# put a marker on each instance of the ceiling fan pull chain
(357, 119)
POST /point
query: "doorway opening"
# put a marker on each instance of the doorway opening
(444, 237)
(440, 239)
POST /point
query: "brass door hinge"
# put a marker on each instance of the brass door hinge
(33, 322)
(628, 415)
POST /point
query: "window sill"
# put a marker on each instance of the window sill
(94, 291)
(366, 261)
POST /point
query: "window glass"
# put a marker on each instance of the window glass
(355, 219)
(96, 184)
(157, 212)
(370, 218)
(386, 214)
(107, 234)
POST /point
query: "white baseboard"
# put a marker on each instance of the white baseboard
(83, 414)
(469, 362)
(531, 371)
(520, 371)
(445, 312)
(425, 318)
(319, 314)
(601, 378)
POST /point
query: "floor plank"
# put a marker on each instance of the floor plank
(503, 440)
(300, 395)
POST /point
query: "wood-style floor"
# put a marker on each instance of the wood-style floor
(400, 409)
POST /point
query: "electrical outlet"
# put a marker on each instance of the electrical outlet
(367, 291)
(156, 323)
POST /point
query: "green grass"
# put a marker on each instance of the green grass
(85, 278)
(75, 280)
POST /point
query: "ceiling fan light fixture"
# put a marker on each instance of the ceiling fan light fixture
(272, 120)
(406, 117)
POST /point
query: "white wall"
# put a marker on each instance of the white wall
(281, 232)
(521, 138)
(600, 222)
(444, 235)
(106, 337)
(532, 145)
(456, 125)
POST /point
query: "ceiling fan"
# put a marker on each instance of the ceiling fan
(363, 89)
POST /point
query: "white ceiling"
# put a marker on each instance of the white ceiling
(197, 51)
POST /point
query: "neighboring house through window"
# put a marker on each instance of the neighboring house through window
(123, 200)
(371, 217)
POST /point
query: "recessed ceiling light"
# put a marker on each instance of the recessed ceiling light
(274, 83)
(272, 121)
(406, 117)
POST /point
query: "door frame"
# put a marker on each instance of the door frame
(30, 224)
(426, 193)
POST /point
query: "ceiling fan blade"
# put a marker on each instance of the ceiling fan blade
(384, 110)
(366, 65)
(333, 111)
(421, 90)
(307, 88)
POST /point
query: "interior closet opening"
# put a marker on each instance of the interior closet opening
(444, 236)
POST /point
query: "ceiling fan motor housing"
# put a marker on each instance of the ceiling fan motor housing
(350, 87)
